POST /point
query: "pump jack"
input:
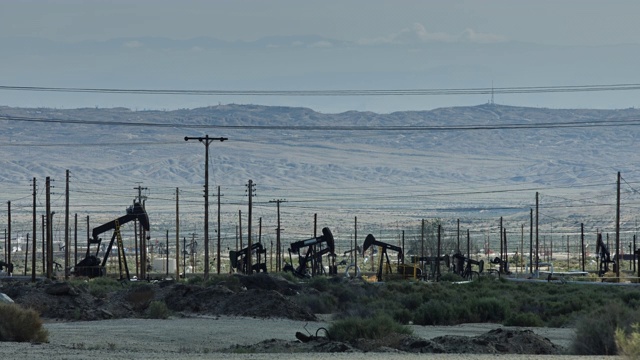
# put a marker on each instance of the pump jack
(403, 269)
(313, 257)
(91, 266)
(238, 258)
(462, 266)
(604, 256)
(433, 262)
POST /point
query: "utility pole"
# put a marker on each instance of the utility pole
(458, 249)
(143, 242)
(49, 229)
(34, 237)
(219, 236)
(66, 228)
(75, 239)
(250, 192)
(537, 236)
(206, 140)
(530, 241)
(278, 229)
(355, 244)
(617, 256)
(9, 269)
(177, 237)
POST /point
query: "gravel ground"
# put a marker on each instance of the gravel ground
(204, 337)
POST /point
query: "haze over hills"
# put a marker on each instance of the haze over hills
(405, 61)
(474, 163)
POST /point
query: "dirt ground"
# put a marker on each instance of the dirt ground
(248, 315)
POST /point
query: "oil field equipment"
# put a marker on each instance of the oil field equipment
(434, 263)
(239, 259)
(310, 264)
(383, 267)
(462, 266)
(604, 257)
(91, 266)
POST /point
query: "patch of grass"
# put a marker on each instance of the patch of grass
(21, 325)
(376, 327)
(100, 286)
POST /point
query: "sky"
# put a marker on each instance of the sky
(569, 22)
(443, 32)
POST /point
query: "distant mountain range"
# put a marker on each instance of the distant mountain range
(470, 163)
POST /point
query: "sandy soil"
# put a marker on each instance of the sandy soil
(205, 337)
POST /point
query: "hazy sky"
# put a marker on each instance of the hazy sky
(556, 25)
(567, 22)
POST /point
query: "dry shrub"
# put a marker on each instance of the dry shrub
(629, 345)
(21, 325)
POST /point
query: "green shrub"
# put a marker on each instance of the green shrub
(524, 319)
(322, 303)
(22, 325)
(434, 312)
(376, 327)
(595, 332)
(158, 310)
(488, 309)
(451, 277)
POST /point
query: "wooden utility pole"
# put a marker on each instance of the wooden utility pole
(501, 246)
(143, 242)
(458, 249)
(75, 239)
(33, 241)
(582, 244)
(537, 235)
(422, 243)
(67, 264)
(177, 235)
(219, 236)
(278, 231)
(240, 229)
(617, 256)
(355, 243)
(26, 255)
(250, 192)
(468, 245)
(522, 248)
(438, 256)
(531, 241)
(9, 267)
(49, 229)
(206, 140)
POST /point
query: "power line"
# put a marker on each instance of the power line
(336, 92)
(508, 126)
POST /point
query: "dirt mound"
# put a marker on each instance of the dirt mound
(220, 300)
(257, 296)
(498, 341)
